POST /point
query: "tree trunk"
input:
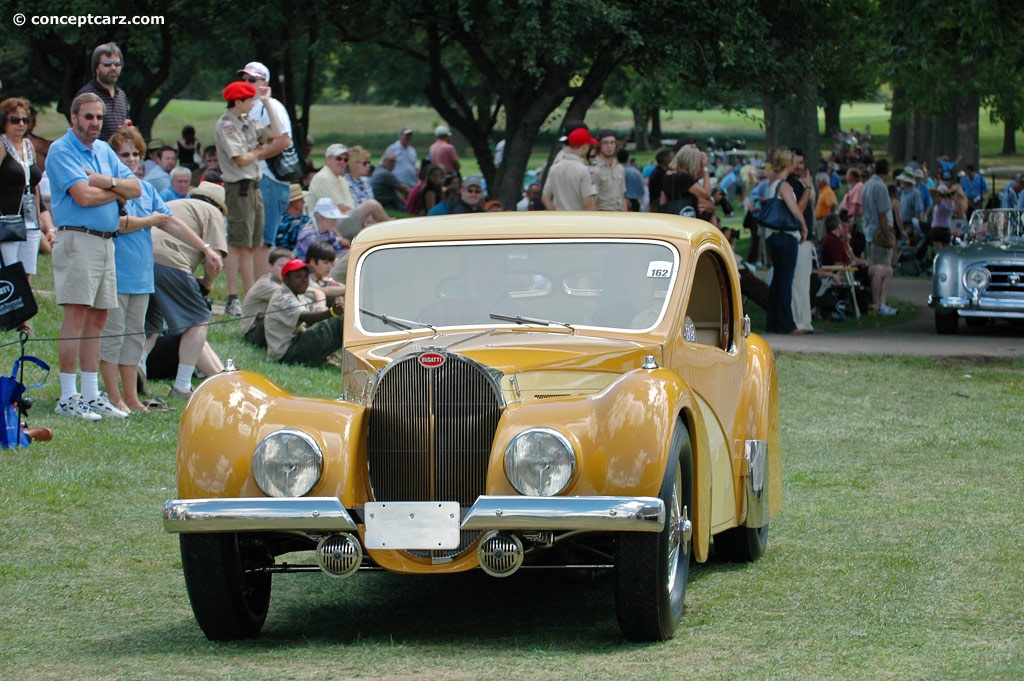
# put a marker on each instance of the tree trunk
(899, 126)
(943, 138)
(832, 109)
(967, 107)
(656, 133)
(640, 129)
(1010, 128)
(793, 121)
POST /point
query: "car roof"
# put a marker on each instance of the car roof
(538, 225)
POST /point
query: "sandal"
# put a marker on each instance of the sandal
(157, 404)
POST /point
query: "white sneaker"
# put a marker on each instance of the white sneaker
(102, 406)
(886, 311)
(76, 406)
(234, 308)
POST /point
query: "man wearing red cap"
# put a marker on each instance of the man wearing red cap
(569, 185)
(296, 332)
(241, 145)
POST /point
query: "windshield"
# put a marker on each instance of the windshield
(621, 284)
(1000, 224)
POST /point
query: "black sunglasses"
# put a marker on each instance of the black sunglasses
(89, 117)
(108, 64)
(18, 119)
(250, 79)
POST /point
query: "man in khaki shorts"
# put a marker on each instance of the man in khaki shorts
(87, 180)
(241, 145)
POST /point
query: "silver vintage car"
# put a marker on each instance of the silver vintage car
(981, 278)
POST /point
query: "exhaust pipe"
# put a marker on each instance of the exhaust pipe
(500, 555)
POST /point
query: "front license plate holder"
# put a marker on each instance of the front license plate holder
(422, 525)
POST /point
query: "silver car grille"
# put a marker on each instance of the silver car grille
(1006, 278)
(431, 427)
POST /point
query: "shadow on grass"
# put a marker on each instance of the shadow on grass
(551, 610)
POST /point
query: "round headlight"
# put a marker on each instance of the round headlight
(977, 277)
(539, 462)
(287, 463)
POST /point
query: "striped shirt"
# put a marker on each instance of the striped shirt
(116, 107)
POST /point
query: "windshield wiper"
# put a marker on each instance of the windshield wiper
(398, 322)
(519, 319)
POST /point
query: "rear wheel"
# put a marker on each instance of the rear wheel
(228, 591)
(652, 569)
(741, 544)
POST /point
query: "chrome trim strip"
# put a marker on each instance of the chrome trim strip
(309, 514)
(612, 514)
(326, 514)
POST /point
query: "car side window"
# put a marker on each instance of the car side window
(710, 305)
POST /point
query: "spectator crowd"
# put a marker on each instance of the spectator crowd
(136, 300)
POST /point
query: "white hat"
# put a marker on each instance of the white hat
(442, 131)
(328, 209)
(256, 70)
(335, 150)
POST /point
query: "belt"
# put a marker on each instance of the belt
(86, 230)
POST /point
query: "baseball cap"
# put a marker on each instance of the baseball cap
(335, 150)
(442, 131)
(292, 265)
(473, 180)
(405, 131)
(256, 70)
(579, 137)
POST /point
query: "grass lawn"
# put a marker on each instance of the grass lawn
(897, 554)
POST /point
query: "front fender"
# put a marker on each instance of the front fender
(230, 413)
(621, 436)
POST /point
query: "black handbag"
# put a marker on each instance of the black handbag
(775, 214)
(12, 228)
(286, 166)
(17, 304)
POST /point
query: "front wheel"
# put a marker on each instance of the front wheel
(652, 569)
(229, 591)
(946, 322)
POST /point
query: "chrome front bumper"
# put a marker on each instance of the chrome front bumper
(326, 514)
(996, 307)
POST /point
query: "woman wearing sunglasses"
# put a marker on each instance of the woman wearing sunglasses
(19, 178)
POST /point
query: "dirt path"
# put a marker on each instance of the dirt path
(914, 337)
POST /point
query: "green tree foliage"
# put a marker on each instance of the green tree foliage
(947, 60)
(511, 60)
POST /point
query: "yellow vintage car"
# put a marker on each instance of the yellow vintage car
(519, 390)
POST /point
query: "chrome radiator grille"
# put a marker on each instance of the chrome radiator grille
(1006, 278)
(432, 421)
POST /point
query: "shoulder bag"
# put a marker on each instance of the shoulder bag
(12, 227)
(286, 166)
(775, 214)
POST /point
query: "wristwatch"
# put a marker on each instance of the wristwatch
(113, 183)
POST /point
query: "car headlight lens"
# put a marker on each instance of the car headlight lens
(977, 277)
(287, 463)
(539, 462)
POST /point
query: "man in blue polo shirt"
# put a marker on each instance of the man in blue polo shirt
(86, 180)
(974, 185)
